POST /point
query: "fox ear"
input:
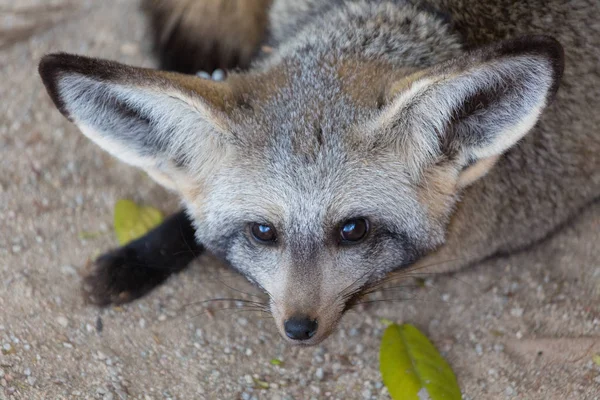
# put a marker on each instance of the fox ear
(161, 122)
(474, 108)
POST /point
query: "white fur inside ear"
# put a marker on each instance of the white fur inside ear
(145, 126)
(511, 136)
(114, 148)
(480, 112)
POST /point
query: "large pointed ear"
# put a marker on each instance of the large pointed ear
(162, 122)
(471, 109)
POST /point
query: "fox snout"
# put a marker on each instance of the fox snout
(305, 329)
(300, 327)
(307, 322)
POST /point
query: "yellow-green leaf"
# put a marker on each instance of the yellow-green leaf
(412, 368)
(276, 361)
(596, 359)
(132, 221)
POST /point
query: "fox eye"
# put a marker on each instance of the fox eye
(354, 230)
(264, 233)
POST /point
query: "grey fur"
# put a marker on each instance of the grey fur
(375, 109)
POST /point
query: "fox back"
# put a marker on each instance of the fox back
(368, 136)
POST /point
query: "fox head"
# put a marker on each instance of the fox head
(315, 179)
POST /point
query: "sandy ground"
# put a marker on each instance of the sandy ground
(521, 327)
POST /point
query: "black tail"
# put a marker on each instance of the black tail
(203, 35)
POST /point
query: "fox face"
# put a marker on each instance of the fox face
(315, 178)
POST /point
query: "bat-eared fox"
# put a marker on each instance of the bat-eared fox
(349, 139)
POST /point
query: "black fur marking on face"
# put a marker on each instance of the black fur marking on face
(412, 252)
(319, 136)
(223, 245)
(130, 272)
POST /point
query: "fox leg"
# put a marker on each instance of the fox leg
(129, 272)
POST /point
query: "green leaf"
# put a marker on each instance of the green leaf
(596, 359)
(386, 322)
(276, 361)
(132, 221)
(412, 368)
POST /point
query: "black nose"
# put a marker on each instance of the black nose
(300, 328)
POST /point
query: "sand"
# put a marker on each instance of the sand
(521, 327)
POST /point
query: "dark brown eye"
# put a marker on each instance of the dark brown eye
(354, 230)
(263, 232)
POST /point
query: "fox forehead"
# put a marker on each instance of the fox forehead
(299, 104)
(301, 162)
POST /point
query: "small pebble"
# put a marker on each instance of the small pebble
(129, 48)
(509, 392)
(423, 394)
(319, 374)
(68, 270)
(62, 321)
(203, 75)
(479, 349)
(218, 75)
(516, 312)
(359, 348)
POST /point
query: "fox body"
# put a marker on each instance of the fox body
(358, 138)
